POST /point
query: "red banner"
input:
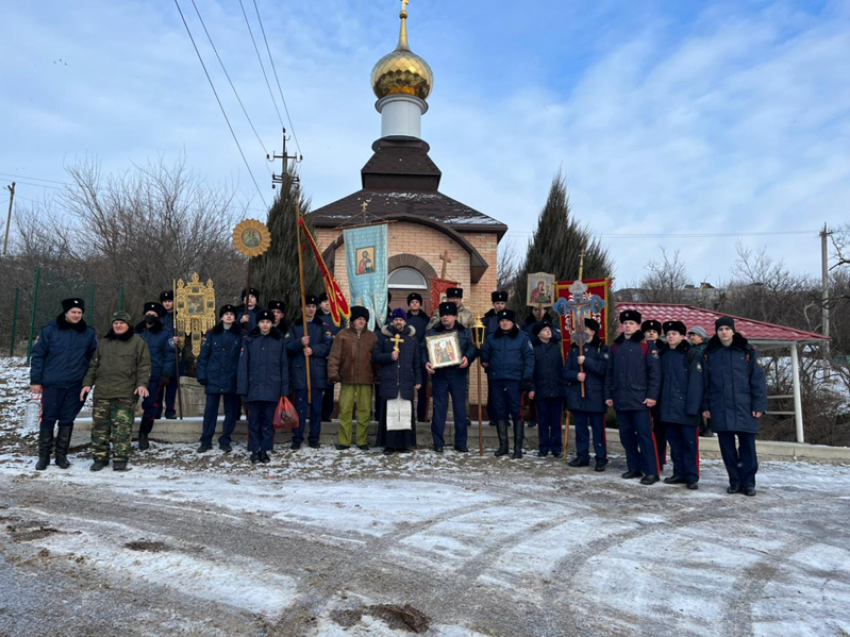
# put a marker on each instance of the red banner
(595, 287)
(339, 304)
(438, 289)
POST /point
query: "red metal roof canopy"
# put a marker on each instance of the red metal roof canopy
(696, 316)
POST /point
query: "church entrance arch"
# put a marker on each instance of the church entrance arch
(410, 273)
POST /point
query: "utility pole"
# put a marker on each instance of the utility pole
(824, 248)
(11, 189)
(278, 179)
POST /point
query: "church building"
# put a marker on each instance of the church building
(431, 232)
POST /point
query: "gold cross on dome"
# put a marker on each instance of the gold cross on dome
(398, 340)
(363, 207)
(404, 4)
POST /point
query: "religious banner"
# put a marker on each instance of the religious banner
(337, 300)
(588, 299)
(367, 255)
(438, 292)
(194, 310)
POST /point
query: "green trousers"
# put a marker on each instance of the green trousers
(348, 396)
(112, 419)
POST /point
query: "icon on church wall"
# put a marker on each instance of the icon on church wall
(366, 260)
(541, 288)
(443, 350)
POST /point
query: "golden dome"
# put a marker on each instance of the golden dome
(402, 71)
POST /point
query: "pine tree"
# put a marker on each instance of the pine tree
(556, 247)
(275, 273)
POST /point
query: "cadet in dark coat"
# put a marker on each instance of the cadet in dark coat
(632, 385)
(163, 359)
(262, 380)
(680, 403)
(398, 353)
(698, 339)
(168, 393)
(509, 359)
(652, 330)
(588, 411)
(333, 329)
(218, 366)
(547, 389)
(499, 299)
(450, 381)
(735, 399)
(249, 309)
(418, 320)
(60, 360)
(317, 345)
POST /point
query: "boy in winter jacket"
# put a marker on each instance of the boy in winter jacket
(547, 389)
(119, 373)
(163, 362)
(60, 360)
(735, 399)
(218, 366)
(585, 375)
(681, 397)
(262, 379)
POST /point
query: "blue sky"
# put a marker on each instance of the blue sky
(665, 117)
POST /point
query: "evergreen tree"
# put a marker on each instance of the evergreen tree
(556, 247)
(275, 273)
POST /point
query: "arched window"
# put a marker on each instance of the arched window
(408, 279)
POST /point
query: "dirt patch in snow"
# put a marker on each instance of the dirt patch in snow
(406, 617)
(28, 535)
(145, 545)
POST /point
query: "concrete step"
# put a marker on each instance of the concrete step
(189, 430)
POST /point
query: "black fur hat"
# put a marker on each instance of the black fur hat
(539, 326)
(310, 299)
(224, 309)
(167, 295)
(153, 306)
(448, 309)
(323, 297)
(630, 315)
(507, 315)
(254, 292)
(70, 304)
(592, 324)
(499, 296)
(414, 296)
(276, 305)
(358, 311)
(675, 326)
(725, 321)
(454, 293)
(265, 315)
(651, 324)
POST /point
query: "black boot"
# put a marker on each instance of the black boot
(63, 441)
(144, 429)
(45, 446)
(502, 430)
(519, 435)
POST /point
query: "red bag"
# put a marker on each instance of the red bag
(285, 416)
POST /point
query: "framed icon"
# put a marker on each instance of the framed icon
(366, 260)
(444, 350)
(541, 289)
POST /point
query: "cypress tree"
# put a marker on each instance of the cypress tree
(275, 273)
(556, 247)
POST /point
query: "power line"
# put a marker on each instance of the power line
(220, 105)
(277, 79)
(262, 66)
(694, 235)
(50, 181)
(227, 75)
(29, 183)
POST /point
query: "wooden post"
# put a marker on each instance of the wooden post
(303, 291)
(11, 190)
(177, 347)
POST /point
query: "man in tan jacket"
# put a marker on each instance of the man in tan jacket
(350, 364)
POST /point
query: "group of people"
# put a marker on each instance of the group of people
(661, 389)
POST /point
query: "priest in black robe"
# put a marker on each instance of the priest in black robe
(397, 354)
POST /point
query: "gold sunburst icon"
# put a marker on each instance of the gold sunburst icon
(252, 238)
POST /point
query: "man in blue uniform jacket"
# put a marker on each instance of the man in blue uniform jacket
(450, 381)
(418, 320)
(263, 378)
(509, 359)
(632, 384)
(735, 399)
(332, 329)
(249, 309)
(60, 360)
(218, 364)
(548, 389)
(163, 360)
(588, 366)
(499, 299)
(168, 392)
(314, 346)
(679, 406)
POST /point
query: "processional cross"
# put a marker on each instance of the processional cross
(398, 340)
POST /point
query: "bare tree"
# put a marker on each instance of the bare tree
(666, 280)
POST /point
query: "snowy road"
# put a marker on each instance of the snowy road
(323, 543)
